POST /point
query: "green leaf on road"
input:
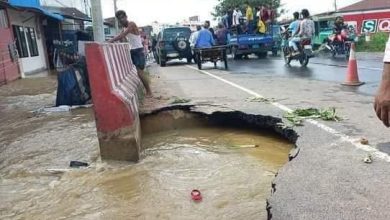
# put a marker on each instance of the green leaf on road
(260, 99)
(298, 115)
(180, 101)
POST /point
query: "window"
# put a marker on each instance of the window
(26, 41)
(21, 42)
(32, 42)
(3, 19)
(107, 31)
(171, 33)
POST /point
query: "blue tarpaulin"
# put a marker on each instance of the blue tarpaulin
(73, 87)
(34, 4)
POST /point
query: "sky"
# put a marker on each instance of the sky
(144, 12)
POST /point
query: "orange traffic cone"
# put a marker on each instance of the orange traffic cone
(352, 72)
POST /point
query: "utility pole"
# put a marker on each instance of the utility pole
(116, 20)
(335, 5)
(97, 21)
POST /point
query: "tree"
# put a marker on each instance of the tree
(224, 5)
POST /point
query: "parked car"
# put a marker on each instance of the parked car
(173, 43)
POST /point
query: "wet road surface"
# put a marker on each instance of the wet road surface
(328, 178)
(232, 168)
(319, 68)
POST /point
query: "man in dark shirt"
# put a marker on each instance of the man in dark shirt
(339, 25)
(221, 35)
(230, 18)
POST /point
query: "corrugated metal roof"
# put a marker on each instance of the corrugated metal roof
(367, 5)
(68, 12)
(34, 5)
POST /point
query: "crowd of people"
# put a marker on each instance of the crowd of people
(257, 20)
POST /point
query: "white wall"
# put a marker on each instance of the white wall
(30, 64)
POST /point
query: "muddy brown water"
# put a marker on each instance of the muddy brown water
(233, 168)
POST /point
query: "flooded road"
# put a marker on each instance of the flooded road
(232, 168)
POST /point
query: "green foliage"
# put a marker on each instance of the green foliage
(180, 101)
(296, 117)
(224, 5)
(377, 43)
(260, 99)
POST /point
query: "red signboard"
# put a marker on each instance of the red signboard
(384, 25)
(363, 22)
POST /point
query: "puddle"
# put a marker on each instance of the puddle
(233, 168)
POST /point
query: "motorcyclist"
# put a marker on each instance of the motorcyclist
(306, 31)
(294, 26)
(339, 30)
(339, 25)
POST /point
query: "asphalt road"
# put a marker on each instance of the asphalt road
(327, 179)
(320, 68)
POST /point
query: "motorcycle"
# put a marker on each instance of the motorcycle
(340, 44)
(305, 50)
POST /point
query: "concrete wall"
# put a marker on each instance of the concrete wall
(27, 19)
(116, 89)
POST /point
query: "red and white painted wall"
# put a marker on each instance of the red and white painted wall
(116, 89)
(369, 21)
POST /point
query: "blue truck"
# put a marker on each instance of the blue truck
(245, 44)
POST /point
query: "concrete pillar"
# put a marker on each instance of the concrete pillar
(97, 20)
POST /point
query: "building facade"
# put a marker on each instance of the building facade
(27, 29)
(9, 69)
(26, 19)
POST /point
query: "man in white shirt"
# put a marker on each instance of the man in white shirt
(237, 14)
(194, 36)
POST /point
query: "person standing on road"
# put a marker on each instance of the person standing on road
(382, 98)
(205, 38)
(194, 36)
(131, 34)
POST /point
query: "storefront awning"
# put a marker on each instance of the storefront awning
(68, 12)
(34, 5)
